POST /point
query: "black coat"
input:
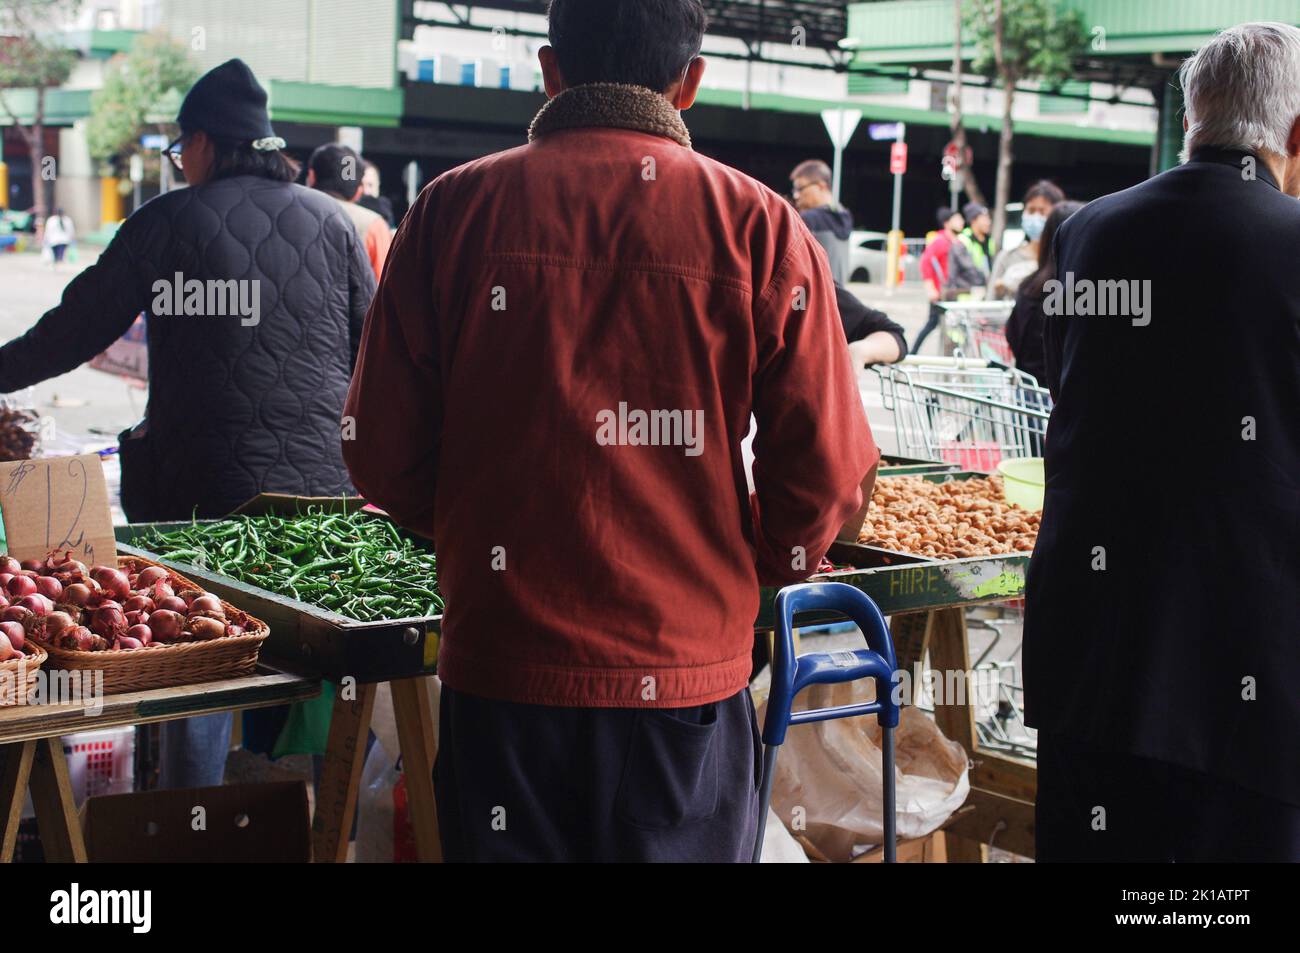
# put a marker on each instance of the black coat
(1175, 447)
(235, 408)
(1025, 332)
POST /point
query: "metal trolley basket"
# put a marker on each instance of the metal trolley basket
(977, 329)
(974, 413)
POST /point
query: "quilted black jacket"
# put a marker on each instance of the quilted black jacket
(235, 407)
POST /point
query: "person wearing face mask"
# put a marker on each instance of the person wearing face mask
(1014, 265)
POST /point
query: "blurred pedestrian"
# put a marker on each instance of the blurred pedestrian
(371, 197)
(1014, 265)
(1025, 326)
(829, 221)
(58, 236)
(971, 255)
(336, 170)
(935, 264)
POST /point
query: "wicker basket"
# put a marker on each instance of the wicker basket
(17, 676)
(184, 663)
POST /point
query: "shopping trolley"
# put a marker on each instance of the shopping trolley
(971, 412)
(977, 329)
(791, 674)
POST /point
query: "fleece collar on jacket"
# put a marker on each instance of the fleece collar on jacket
(619, 105)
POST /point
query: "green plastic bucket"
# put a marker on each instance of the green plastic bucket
(1023, 481)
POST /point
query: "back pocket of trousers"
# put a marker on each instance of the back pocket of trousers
(671, 776)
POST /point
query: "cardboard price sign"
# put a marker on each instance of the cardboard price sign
(57, 503)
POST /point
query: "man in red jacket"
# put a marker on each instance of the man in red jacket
(556, 376)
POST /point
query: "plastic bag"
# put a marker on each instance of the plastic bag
(828, 774)
(384, 831)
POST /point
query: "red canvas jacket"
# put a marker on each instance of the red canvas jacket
(554, 381)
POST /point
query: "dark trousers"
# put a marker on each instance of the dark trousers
(519, 782)
(931, 322)
(1153, 811)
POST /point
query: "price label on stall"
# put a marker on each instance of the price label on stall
(57, 503)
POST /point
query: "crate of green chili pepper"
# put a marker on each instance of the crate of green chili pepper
(345, 591)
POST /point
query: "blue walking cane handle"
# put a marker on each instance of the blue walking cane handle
(791, 674)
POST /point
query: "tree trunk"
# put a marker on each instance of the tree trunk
(36, 146)
(1003, 194)
(964, 173)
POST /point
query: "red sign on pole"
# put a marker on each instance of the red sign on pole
(898, 158)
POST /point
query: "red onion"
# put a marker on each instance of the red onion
(4, 601)
(71, 565)
(150, 575)
(137, 617)
(10, 565)
(108, 621)
(33, 565)
(205, 628)
(56, 623)
(49, 587)
(14, 633)
(163, 590)
(85, 639)
(174, 603)
(166, 625)
(5, 577)
(141, 633)
(207, 604)
(21, 586)
(189, 595)
(7, 650)
(36, 604)
(18, 614)
(233, 629)
(113, 580)
(77, 594)
(138, 604)
(126, 642)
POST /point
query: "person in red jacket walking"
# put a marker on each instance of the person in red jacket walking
(935, 267)
(556, 375)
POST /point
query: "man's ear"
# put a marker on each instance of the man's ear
(552, 79)
(1293, 139)
(683, 94)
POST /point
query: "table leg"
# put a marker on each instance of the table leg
(413, 712)
(345, 757)
(15, 773)
(955, 717)
(56, 810)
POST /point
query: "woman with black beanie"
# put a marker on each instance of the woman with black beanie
(254, 290)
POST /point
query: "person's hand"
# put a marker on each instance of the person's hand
(933, 293)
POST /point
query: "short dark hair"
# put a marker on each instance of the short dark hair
(943, 214)
(814, 169)
(232, 157)
(639, 42)
(338, 169)
(1045, 189)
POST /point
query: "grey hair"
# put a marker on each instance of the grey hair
(1242, 89)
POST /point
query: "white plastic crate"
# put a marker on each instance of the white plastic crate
(101, 762)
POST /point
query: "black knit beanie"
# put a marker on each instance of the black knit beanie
(228, 102)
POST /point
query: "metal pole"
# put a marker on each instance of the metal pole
(887, 784)
(898, 182)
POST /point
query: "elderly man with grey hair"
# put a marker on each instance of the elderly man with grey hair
(1161, 648)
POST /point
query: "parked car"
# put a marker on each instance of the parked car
(867, 257)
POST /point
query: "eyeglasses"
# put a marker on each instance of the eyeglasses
(173, 152)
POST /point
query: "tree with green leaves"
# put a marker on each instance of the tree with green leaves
(1021, 41)
(134, 97)
(31, 57)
